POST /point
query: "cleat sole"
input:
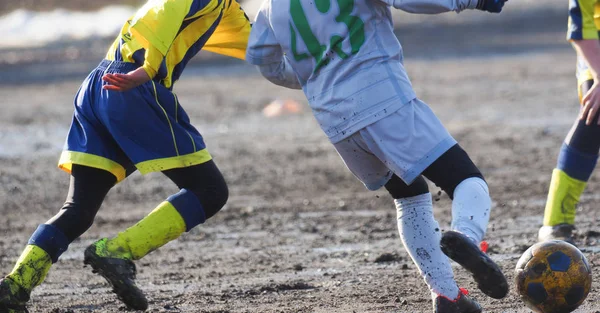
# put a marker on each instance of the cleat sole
(488, 276)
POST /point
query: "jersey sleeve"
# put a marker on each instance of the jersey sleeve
(280, 74)
(432, 6)
(231, 36)
(581, 20)
(263, 47)
(156, 24)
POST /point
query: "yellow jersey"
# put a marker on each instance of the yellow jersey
(164, 35)
(584, 19)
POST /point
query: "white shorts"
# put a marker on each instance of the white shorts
(404, 143)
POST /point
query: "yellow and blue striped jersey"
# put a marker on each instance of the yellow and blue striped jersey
(584, 19)
(165, 34)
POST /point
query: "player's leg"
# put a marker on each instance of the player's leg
(421, 235)
(159, 137)
(576, 162)
(458, 176)
(425, 146)
(95, 163)
(203, 192)
(419, 231)
(87, 190)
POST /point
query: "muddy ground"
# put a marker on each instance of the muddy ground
(300, 233)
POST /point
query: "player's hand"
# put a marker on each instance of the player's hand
(123, 82)
(494, 6)
(591, 104)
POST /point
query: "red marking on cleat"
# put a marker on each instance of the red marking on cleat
(484, 246)
(461, 292)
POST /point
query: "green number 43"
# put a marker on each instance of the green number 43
(317, 50)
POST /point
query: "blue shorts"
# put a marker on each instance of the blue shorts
(144, 128)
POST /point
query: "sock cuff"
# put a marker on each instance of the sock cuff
(561, 181)
(50, 239)
(575, 163)
(189, 207)
(472, 180)
(418, 200)
(413, 205)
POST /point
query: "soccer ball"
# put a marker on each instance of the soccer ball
(553, 276)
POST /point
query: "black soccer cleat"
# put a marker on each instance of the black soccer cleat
(462, 304)
(488, 276)
(120, 274)
(562, 232)
(13, 298)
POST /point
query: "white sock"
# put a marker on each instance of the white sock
(471, 208)
(421, 235)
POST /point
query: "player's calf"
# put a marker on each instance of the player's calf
(112, 258)
(206, 182)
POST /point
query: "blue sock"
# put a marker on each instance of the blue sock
(50, 239)
(189, 207)
(576, 164)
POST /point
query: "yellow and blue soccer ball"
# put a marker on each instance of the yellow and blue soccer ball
(553, 276)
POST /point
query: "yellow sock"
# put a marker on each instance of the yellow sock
(31, 268)
(563, 198)
(155, 230)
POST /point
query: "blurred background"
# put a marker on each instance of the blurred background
(45, 5)
(58, 30)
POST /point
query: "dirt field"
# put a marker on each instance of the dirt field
(300, 233)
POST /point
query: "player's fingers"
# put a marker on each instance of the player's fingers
(587, 111)
(123, 77)
(594, 110)
(108, 76)
(586, 97)
(110, 79)
(123, 84)
(112, 88)
(584, 110)
(113, 78)
(589, 92)
(122, 81)
(591, 114)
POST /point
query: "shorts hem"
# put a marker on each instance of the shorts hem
(68, 158)
(159, 165)
(377, 185)
(410, 175)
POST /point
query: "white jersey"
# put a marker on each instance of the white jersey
(343, 53)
